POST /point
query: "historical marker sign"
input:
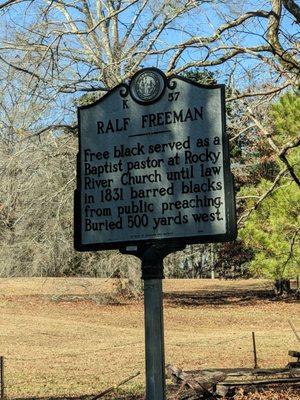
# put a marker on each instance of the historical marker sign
(153, 165)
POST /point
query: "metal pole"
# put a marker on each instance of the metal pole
(152, 274)
(154, 340)
(152, 257)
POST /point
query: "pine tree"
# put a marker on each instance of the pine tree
(273, 230)
(286, 117)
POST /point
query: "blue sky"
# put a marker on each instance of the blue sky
(244, 71)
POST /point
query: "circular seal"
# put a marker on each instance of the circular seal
(147, 86)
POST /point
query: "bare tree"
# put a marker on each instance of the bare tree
(71, 48)
(54, 52)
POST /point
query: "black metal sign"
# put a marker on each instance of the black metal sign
(153, 165)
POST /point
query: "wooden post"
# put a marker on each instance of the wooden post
(254, 351)
(2, 376)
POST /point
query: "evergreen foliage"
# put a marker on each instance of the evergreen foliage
(273, 230)
(201, 76)
(286, 117)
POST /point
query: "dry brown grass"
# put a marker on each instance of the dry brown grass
(57, 339)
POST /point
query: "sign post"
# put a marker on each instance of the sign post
(152, 274)
(153, 175)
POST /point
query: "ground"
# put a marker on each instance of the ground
(68, 336)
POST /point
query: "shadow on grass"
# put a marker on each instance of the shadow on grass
(113, 396)
(237, 297)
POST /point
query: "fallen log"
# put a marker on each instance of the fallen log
(295, 354)
(262, 382)
(229, 387)
(293, 365)
(215, 383)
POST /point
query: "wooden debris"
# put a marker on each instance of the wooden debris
(112, 388)
(295, 354)
(294, 364)
(229, 388)
(201, 383)
(211, 384)
(176, 374)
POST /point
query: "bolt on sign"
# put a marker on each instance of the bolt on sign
(153, 165)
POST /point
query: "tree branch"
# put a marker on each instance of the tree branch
(18, 68)
(71, 128)
(225, 27)
(292, 244)
(293, 8)
(10, 3)
(281, 153)
(246, 215)
(282, 156)
(284, 57)
(254, 94)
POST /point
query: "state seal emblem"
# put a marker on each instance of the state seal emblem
(147, 86)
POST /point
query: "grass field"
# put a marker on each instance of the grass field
(58, 338)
